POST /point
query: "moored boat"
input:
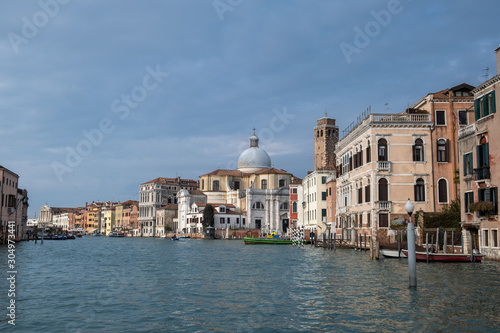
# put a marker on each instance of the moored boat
(116, 234)
(446, 257)
(392, 253)
(251, 240)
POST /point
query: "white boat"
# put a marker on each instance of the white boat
(392, 253)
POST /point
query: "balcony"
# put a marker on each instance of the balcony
(344, 177)
(343, 209)
(481, 173)
(383, 166)
(384, 205)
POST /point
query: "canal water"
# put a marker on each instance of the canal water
(101, 284)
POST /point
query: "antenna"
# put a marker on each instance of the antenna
(387, 106)
(487, 75)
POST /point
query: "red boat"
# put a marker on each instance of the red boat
(446, 257)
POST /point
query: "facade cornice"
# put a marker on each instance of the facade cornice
(486, 84)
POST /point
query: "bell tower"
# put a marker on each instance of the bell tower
(326, 136)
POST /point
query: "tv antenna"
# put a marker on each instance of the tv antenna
(487, 75)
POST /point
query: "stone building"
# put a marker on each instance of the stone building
(156, 193)
(13, 207)
(479, 152)
(256, 189)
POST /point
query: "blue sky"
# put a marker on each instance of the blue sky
(97, 97)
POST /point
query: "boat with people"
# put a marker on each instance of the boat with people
(116, 234)
(446, 257)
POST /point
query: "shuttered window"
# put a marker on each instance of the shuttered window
(383, 190)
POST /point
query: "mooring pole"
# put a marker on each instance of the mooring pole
(412, 265)
(427, 246)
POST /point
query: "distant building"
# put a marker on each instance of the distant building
(14, 206)
(296, 199)
(156, 193)
(165, 217)
(479, 152)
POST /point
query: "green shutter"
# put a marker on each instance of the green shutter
(477, 109)
(493, 103)
(465, 172)
(486, 154)
(486, 109)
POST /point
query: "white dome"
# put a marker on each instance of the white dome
(254, 158)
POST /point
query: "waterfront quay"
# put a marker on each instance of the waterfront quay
(106, 284)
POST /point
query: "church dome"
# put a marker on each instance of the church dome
(254, 158)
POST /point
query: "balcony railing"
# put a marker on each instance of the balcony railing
(384, 205)
(383, 166)
(343, 209)
(481, 173)
(344, 177)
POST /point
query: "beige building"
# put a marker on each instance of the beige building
(383, 160)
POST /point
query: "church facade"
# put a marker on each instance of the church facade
(256, 190)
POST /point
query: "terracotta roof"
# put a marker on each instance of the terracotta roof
(448, 93)
(272, 171)
(196, 192)
(173, 181)
(225, 172)
(296, 180)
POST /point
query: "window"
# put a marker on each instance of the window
(367, 193)
(468, 199)
(418, 151)
(442, 191)
(440, 117)
(237, 185)
(484, 106)
(263, 184)
(383, 194)
(368, 153)
(360, 195)
(215, 185)
(382, 150)
(462, 117)
(243, 221)
(489, 195)
(483, 155)
(485, 238)
(222, 221)
(323, 196)
(368, 220)
(468, 167)
(203, 184)
(494, 238)
(284, 206)
(258, 205)
(420, 190)
(294, 207)
(383, 220)
(442, 150)
(222, 209)
(237, 220)
(282, 183)
(294, 190)
(323, 180)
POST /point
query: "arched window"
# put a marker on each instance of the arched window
(483, 155)
(420, 190)
(383, 194)
(442, 191)
(237, 185)
(418, 151)
(284, 206)
(294, 207)
(263, 184)
(382, 150)
(282, 183)
(215, 185)
(442, 150)
(258, 205)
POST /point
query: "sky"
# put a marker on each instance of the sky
(97, 97)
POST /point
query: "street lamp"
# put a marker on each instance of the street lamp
(412, 265)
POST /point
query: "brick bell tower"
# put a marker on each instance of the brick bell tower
(326, 136)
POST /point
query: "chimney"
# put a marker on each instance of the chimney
(497, 50)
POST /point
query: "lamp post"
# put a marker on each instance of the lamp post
(412, 265)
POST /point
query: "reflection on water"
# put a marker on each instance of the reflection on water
(99, 284)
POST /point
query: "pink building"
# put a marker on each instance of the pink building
(480, 171)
